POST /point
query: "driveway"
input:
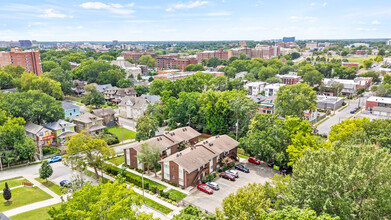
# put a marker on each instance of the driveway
(258, 174)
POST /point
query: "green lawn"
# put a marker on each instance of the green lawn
(24, 196)
(16, 181)
(36, 214)
(146, 180)
(354, 59)
(157, 206)
(243, 156)
(118, 160)
(122, 133)
(176, 194)
(93, 175)
(53, 187)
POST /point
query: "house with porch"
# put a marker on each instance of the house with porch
(42, 136)
(71, 110)
(108, 115)
(63, 130)
(133, 107)
(188, 167)
(168, 143)
(92, 124)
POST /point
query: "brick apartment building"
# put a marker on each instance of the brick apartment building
(30, 60)
(361, 52)
(171, 55)
(348, 64)
(379, 105)
(260, 51)
(168, 144)
(290, 78)
(174, 63)
(187, 168)
(221, 54)
(175, 75)
(136, 54)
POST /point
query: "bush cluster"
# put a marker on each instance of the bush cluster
(50, 150)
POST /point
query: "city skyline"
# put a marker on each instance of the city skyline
(76, 20)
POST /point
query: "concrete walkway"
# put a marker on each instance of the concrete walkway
(56, 199)
(155, 198)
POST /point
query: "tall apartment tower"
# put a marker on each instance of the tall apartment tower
(30, 60)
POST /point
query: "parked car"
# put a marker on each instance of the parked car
(286, 170)
(227, 176)
(242, 168)
(253, 160)
(55, 159)
(354, 110)
(213, 185)
(205, 188)
(65, 183)
(233, 173)
(270, 164)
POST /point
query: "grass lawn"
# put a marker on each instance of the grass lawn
(24, 196)
(52, 186)
(16, 181)
(176, 194)
(93, 175)
(36, 214)
(157, 206)
(122, 133)
(354, 59)
(118, 160)
(146, 180)
(243, 156)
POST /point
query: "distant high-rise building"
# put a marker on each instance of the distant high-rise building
(288, 39)
(388, 42)
(221, 54)
(30, 60)
(25, 43)
(115, 42)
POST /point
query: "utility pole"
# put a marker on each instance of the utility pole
(237, 125)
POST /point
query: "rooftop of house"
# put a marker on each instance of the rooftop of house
(69, 106)
(255, 84)
(379, 99)
(102, 88)
(135, 102)
(182, 134)
(274, 86)
(328, 99)
(103, 112)
(32, 128)
(87, 118)
(60, 124)
(152, 98)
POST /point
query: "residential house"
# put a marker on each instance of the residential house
(132, 107)
(89, 122)
(42, 136)
(255, 88)
(108, 115)
(63, 130)
(349, 87)
(152, 99)
(188, 167)
(271, 89)
(102, 88)
(329, 102)
(379, 106)
(78, 89)
(267, 106)
(168, 144)
(71, 110)
(290, 78)
(116, 95)
(310, 115)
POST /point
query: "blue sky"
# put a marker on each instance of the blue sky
(139, 20)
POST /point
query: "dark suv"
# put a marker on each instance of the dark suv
(242, 168)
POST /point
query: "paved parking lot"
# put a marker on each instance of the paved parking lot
(258, 174)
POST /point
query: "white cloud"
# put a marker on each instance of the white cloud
(222, 13)
(297, 19)
(313, 4)
(187, 5)
(50, 13)
(375, 22)
(324, 4)
(366, 29)
(113, 7)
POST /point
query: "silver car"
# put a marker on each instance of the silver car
(213, 185)
(233, 173)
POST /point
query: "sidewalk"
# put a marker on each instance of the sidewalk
(147, 195)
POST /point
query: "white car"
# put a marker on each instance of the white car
(213, 185)
(233, 172)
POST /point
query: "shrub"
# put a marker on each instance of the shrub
(109, 138)
(50, 150)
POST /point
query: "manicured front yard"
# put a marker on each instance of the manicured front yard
(24, 196)
(122, 133)
(16, 181)
(36, 214)
(118, 160)
(52, 186)
(176, 194)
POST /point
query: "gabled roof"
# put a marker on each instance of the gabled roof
(103, 112)
(162, 142)
(87, 118)
(32, 128)
(135, 102)
(58, 125)
(152, 98)
(102, 88)
(69, 106)
(182, 134)
(219, 143)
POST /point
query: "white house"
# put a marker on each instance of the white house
(271, 90)
(254, 88)
(133, 107)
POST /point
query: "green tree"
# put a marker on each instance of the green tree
(45, 171)
(94, 98)
(368, 63)
(267, 72)
(149, 155)
(30, 81)
(219, 83)
(344, 130)
(7, 192)
(183, 110)
(290, 212)
(193, 213)
(213, 62)
(6, 80)
(88, 150)
(104, 201)
(125, 83)
(147, 60)
(139, 77)
(111, 76)
(243, 110)
(295, 99)
(295, 55)
(379, 58)
(65, 79)
(66, 65)
(49, 65)
(363, 192)
(140, 89)
(15, 72)
(313, 77)
(157, 86)
(146, 128)
(382, 52)
(374, 75)
(272, 80)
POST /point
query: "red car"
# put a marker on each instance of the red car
(253, 160)
(227, 176)
(205, 188)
